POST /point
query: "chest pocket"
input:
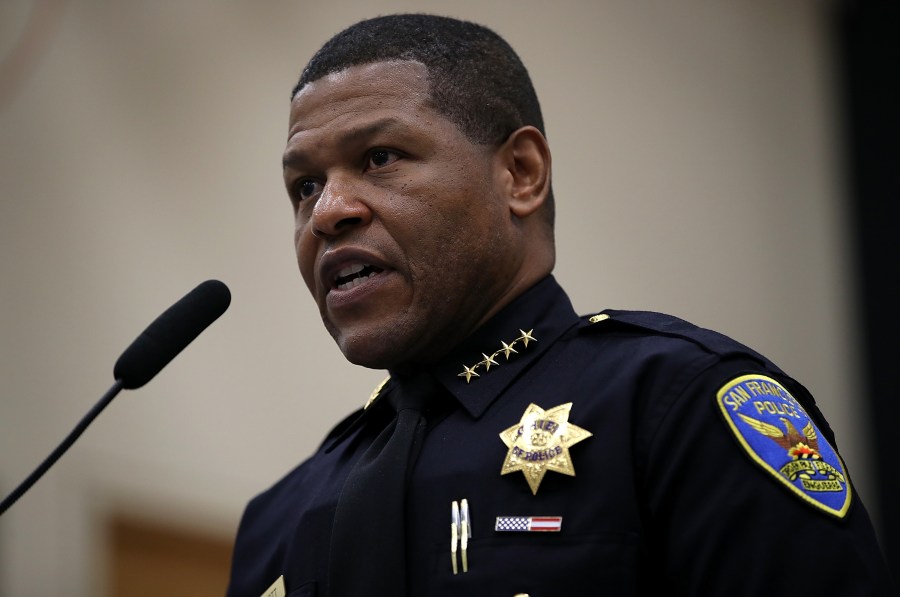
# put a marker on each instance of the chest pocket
(542, 565)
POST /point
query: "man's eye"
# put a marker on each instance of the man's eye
(379, 158)
(306, 188)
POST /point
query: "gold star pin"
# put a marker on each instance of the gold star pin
(508, 349)
(376, 392)
(540, 442)
(488, 361)
(469, 372)
(526, 337)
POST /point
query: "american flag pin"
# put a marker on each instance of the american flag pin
(528, 524)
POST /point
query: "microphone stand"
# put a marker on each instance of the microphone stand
(158, 344)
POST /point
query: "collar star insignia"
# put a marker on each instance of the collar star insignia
(491, 359)
(540, 442)
(469, 372)
(377, 392)
(508, 349)
(526, 337)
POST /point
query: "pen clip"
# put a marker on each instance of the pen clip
(454, 534)
(465, 532)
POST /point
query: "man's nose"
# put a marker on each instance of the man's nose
(339, 208)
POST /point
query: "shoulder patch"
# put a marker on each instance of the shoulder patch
(781, 438)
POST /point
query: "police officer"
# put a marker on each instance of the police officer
(517, 448)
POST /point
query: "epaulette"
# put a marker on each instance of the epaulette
(660, 324)
(649, 322)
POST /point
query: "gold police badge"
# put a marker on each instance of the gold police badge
(540, 442)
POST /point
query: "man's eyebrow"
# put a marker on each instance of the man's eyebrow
(369, 129)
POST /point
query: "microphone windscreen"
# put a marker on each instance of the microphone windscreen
(170, 333)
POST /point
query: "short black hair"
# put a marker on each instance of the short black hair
(476, 79)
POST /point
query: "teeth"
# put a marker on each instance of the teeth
(354, 282)
(353, 269)
(352, 276)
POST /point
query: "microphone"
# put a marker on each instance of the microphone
(168, 335)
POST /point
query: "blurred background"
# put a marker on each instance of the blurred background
(707, 163)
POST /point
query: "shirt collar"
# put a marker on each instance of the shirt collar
(478, 370)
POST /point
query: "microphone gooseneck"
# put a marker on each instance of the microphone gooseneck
(157, 345)
(61, 448)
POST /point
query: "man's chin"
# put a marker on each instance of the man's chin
(388, 347)
(372, 350)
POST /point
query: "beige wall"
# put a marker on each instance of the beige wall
(695, 171)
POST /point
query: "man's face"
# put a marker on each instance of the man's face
(403, 234)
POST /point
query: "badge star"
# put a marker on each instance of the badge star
(469, 373)
(540, 442)
(526, 337)
(488, 361)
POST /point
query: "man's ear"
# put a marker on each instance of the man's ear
(525, 157)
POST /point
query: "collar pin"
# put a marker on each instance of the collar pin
(491, 360)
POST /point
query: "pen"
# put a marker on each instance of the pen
(466, 532)
(454, 529)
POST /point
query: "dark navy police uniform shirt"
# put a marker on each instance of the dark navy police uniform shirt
(676, 491)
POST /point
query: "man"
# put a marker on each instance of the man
(516, 448)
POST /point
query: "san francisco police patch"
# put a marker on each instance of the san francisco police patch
(779, 436)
